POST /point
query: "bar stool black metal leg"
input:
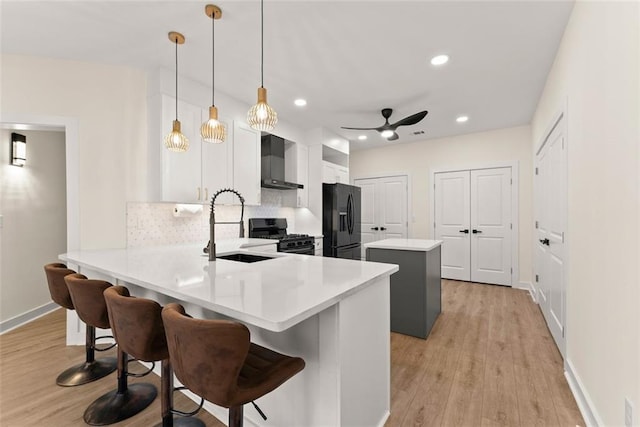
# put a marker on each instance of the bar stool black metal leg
(122, 403)
(166, 398)
(91, 369)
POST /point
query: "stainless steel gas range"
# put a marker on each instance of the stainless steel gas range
(276, 229)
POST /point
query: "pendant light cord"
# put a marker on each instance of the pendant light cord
(176, 78)
(261, 43)
(213, 54)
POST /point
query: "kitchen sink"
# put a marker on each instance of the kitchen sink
(244, 257)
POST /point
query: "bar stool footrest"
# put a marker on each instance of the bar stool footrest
(87, 372)
(114, 407)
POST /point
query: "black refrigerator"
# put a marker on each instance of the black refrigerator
(341, 221)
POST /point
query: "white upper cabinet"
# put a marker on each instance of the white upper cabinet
(297, 170)
(217, 170)
(182, 172)
(333, 173)
(246, 162)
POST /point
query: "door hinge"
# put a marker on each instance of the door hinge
(536, 224)
(537, 278)
(536, 171)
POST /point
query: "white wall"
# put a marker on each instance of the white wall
(109, 103)
(596, 72)
(34, 231)
(466, 151)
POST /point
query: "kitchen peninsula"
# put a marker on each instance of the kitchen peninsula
(332, 312)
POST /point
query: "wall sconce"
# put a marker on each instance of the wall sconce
(18, 149)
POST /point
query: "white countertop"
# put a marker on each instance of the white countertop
(405, 244)
(274, 294)
(240, 243)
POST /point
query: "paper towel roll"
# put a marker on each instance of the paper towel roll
(187, 210)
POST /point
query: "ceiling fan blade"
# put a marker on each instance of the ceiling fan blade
(410, 120)
(393, 137)
(343, 127)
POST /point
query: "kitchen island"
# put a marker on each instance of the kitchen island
(415, 289)
(334, 313)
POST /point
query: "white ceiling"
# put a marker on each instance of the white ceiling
(349, 59)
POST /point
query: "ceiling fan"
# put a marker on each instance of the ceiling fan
(388, 130)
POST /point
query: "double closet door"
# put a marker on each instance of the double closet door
(472, 211)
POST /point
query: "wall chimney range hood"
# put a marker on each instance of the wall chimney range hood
(272, 155)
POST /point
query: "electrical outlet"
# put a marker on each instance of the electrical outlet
(628, 413)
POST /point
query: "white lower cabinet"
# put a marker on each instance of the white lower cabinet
(317, 246)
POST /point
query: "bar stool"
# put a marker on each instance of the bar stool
(91, 369)
(126, 400)
(216, 360)
(137, 326)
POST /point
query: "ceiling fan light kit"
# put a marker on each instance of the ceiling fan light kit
(213, 130)
(175, 140)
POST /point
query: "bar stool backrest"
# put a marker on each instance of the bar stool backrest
(55, 273)
(88, 300)
(206, 355)
(136, 324)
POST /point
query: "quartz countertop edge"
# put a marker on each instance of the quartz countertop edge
(405, 244)
(282, 280)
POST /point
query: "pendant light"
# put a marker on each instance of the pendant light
(261, 116)
(175, 140)
(212, 130)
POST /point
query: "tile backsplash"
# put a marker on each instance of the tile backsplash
(155, 224)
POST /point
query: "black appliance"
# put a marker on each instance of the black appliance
(341, 221)
(276, 229)
(272, 163)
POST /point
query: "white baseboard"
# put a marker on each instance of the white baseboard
(21, 319)
(585, 404)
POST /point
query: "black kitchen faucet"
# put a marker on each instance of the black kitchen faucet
(211, 246)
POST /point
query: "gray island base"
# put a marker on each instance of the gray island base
(415, 288)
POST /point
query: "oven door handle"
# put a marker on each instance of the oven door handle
(307, 250)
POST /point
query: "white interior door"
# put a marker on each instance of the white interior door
(384, 208)
(452, 223)
(551, 205)
(491, 226)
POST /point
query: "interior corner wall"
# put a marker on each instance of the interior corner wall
(469, 151)
(109, 103)
(596, 73)
(33, 209)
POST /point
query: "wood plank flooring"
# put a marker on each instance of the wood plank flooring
(489, 361)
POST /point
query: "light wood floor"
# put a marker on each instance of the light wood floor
(489, 361)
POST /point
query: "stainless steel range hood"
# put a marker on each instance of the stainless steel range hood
(272, 155)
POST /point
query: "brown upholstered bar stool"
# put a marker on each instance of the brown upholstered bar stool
(91, 369)
(126, 400)
(137, 325)
(216, 359)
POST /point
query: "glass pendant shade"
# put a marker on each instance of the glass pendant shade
(213, 130)
(175, 140)
(261, 116)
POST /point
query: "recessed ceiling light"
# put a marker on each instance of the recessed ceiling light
(462, 119)
(439, 60)
(362, 137)
(386, 133)
(300, 102)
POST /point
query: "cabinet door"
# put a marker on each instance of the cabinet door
(302, 155)
(342, 175)
(217, 166)
(246, 162)
(181, 172)
(328, 173)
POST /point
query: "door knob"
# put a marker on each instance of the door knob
(476, 231)
(544, 241)
(465, 231)
(375, 228)
(382, 228)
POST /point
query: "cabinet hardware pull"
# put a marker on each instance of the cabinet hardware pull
(476, 231)
(198, 193)
(465, 231)
(375, 228)
(206, 193)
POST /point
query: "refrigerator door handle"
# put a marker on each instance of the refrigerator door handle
(350, 213)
